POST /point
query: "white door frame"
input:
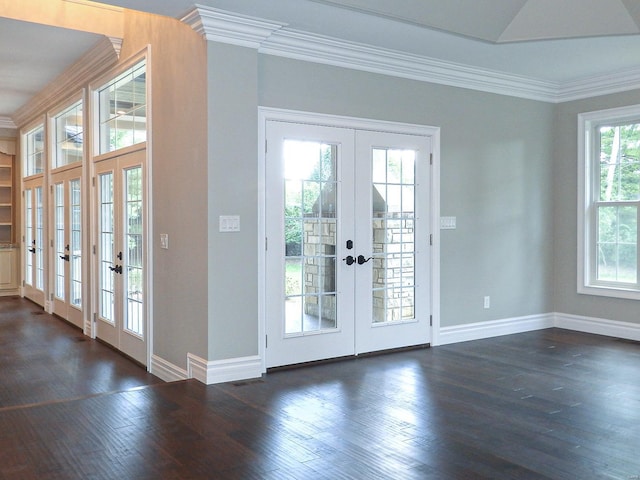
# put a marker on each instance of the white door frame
(266, 114)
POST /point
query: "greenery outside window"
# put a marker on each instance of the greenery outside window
(68, 136)
(609, 207)
(34, 151)
(123, 110)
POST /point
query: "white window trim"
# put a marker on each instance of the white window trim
(586, 145)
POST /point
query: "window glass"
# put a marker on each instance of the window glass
(123, 110)
(34, 152)
(609, 214)
(68, 136)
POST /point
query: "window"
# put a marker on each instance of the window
(34, 151)
(68, 136)
(609, 183)
(123, 110)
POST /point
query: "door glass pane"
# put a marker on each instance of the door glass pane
(28, 237)
(75, 270)
(310, 236)
(393, 220)
(617, 240)
(60, 250)
(106, 262)
(39, 240)
(133, 267)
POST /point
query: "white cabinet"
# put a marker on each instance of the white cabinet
(8, 270)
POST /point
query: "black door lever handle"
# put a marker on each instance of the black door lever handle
(362, 260)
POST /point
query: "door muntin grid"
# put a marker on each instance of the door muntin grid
(60, 240)
(310, 230)
(75, 267)
(106, 251)
(393, 233)
(28, 237)
(134, 254)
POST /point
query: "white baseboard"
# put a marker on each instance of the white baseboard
(166, 371)
(495, 328)
(228, 370)
(244, 368)
(598, 326)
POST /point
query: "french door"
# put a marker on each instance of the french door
(348, 261)
(120, 254)
(34, 240)
(66, 200)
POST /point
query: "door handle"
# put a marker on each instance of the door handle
(350, 260)
(32, 250)
(65, 257)
(362, 260)
(117, 269)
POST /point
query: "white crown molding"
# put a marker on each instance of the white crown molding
(616, 82)
(272, 38)
(101, 57)
(331, 51)
(226, 27)
(7, 122)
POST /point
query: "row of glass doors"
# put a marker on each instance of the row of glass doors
(57, 266)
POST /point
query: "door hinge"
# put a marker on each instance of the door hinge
(51, 297)
(93, 181)
(266, 243)
(431, 159)
(94, 249)
(95, 317)
(266, 341)
(51, 189)
(431, 320)
(265, 146)
(51, 243)
(431, 239)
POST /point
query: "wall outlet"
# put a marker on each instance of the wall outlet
(487, 301)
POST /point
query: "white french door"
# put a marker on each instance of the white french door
(348, 260)
(66, 200)
(34, 240)
(120, 254)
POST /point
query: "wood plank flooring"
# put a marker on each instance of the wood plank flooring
(551, 404)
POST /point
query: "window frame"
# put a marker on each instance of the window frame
(53, 116)
(588, 186)
(26, 155)
(97, 89)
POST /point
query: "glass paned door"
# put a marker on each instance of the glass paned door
(311, 292)
(34, 254)
(348, 258)
(67, 245)
(394, 266)
(121, 254)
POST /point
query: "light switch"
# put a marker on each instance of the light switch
(229, 223)
(447, 223)
(164, 240)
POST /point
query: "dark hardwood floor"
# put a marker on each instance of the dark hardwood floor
(551, 404)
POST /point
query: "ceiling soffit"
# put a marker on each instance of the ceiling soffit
(504, 21)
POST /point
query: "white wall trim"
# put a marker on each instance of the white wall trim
(6, 122)
(226, 27)
(227, 370)
(165, 370)
(273, 38)
(598, 326)
(494, 328)
(244, 368)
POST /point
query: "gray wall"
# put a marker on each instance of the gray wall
(233, 190)
(496, 177)
(566, 300)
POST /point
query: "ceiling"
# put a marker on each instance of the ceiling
(551, 41)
